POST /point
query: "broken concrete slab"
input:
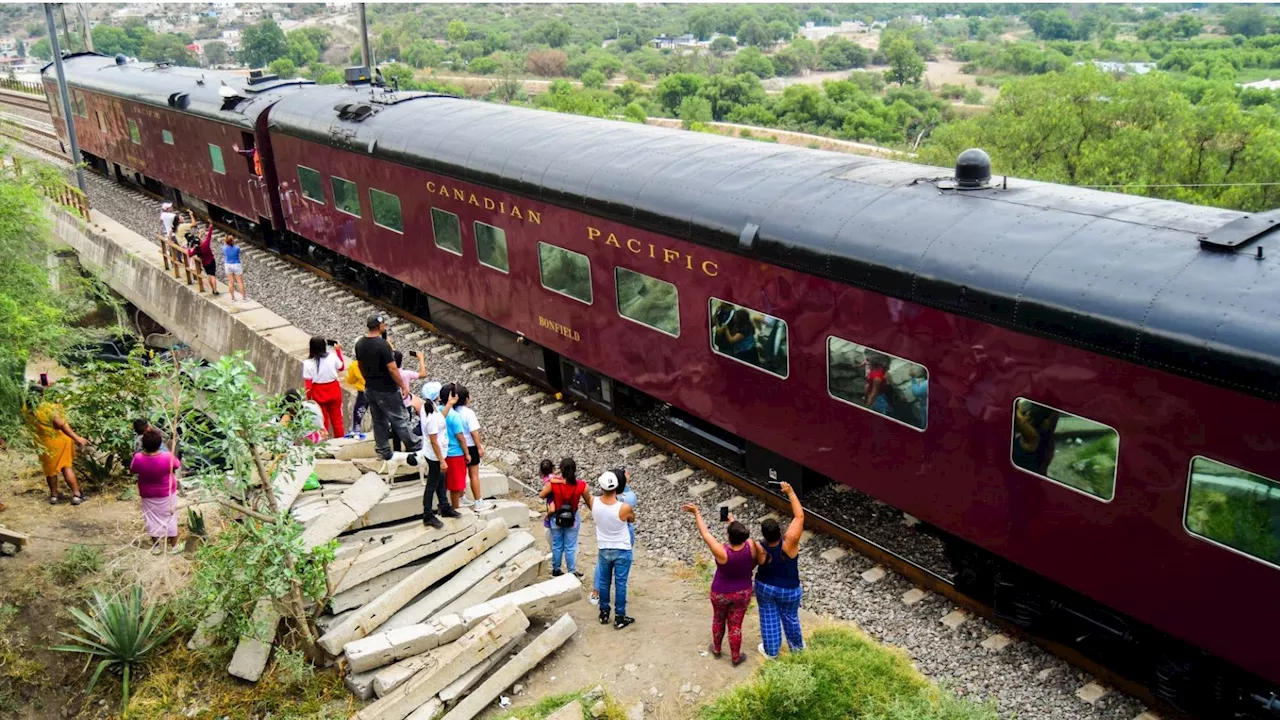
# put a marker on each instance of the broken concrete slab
(366, 591)
(535, 652)
(516, 573)
(475, 568)
(13, 537)
(514, 513)
(493, 483)
(534, 600)
(361, 684)
(254, 649)
(346, 573)
(572, 711)
(428, 711)
(288, 485)
(450, 662)
(202, 638)
(341, 471)
(350, 448)
(358, 500)
(450, 695)
(381, 609)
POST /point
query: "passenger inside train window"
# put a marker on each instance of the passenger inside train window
(877, 381)
(1234, 507)
(565, 272)
(749, 336)
(1065, 448)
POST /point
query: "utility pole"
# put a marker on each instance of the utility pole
(66, 33)
(365, 59)
(85, 33)
(66, 97)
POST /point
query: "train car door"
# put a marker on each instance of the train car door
(258, 195)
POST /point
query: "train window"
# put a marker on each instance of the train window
(312, 186)
(54, 102)
(134, 136)
(565, 272)
(1065, 448)
(102, 120)
(647, 300)
(1234, 508)
(877, 381)
(346, 195)
(386, 210)
(749, 336)
(448, 233)
(215, 157)
(167, 137)
(78, 104)
(491, 246)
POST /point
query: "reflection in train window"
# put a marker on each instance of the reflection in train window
(648, 300)
(215, 159)
(565, 272)
(878, 381)
(749, 336)
(309, 181)
(1065, 448)
(444, 225)
(1235, 508)
(386, 210)
(346, 195)
(491, 246)
(167, 137)
(134, 136)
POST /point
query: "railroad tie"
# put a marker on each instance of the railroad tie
(550, 407)
(606, 439)
(591, 429)
(566, 418)
(466, 366)
(649, 462)
(531, 399)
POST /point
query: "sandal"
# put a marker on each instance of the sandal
(157, 549)
(76, 499)
(176, 550)
(53, 499)
(714, 652)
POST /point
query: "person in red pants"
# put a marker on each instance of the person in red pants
(320, 372)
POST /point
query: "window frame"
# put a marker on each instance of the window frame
(373, 214)
(102, 120)
(1013, 429)
(435, 236)
(711, 341)
(134, 131)
(222, 159)
(590, 279)
(335, 178)
(1186, 507)
(302, 188)
(475, 227)
(827, 344)
(617, 302)
(79, 107)
(166, 136)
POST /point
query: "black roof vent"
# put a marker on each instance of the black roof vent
(973, 169)
(354, 111)
(357, 75)
(121, 59)
(257, 77)
(179, 100)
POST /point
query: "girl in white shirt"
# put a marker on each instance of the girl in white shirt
(320, 372)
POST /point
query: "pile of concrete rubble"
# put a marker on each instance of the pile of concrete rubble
(427, 621)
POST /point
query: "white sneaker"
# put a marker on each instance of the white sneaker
(465, 502)
(763, 654)
(481, 505)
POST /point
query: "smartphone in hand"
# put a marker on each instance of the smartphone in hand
(724, 513)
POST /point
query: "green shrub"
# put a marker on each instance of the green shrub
(77, 562)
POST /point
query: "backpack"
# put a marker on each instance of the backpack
(565, 515)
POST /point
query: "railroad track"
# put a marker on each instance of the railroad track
(24, 100)
(34, 134)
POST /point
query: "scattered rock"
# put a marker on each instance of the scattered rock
(598, 710)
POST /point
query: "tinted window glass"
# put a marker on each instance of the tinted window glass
(648, 300)
(78, 104)
(346, 196)
(749, 336)
(878, 381)
(1065, 448)
(134, 135)
(312, 186)
(491, 246)
(1235, 508)
(215, 157)
(167, 137)
(565, 272)
(444, 225)
(102, 120)
(386, 210)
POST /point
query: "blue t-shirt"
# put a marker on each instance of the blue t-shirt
(231, 254)
(453, 425)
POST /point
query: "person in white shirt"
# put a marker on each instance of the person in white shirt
(435, 443)
(613, 539)
(475, 447)
(320, 373)
(168, 220)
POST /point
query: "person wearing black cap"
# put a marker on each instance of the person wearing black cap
(386, 392)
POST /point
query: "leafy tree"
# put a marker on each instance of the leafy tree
(593, 79)
(483, 66)
(905, 66)
(635, 112)
(754, 33)
(167, 47)
(423, 54)
(1187, 26)
(215, 53)
(673, 89)
(702, 23)
(628, 91)
(111, 40)
(694, 109)
(1245, 20)
(300, 50)
(330, 77)
(469, 50)
(318, 35)
(41, 50)
(546, 63)
(551, 32)
(457, 31)
(722, 45)
(780, 30)
(1052, 25)
(283, 67)
(751, 60)
(725, 93)
(398, 74)
(838, 53)
(261, 44)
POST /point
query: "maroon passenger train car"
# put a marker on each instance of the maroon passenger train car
(1075, 388)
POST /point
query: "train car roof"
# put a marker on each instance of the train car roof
(1151, 281)
(165, 86)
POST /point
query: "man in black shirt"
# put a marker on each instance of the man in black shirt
(386, 391)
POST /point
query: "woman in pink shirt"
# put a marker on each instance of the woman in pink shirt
(158, 487)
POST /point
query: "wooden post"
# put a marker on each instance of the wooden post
(164, 253)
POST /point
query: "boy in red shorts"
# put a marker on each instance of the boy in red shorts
(455, 479)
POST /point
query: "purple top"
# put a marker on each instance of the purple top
(735, 574)
(155, 474)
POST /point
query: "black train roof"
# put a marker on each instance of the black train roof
(154, 84)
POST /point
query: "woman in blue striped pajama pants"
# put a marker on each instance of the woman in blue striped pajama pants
(777, 587)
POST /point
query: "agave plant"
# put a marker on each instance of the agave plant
(121, 630)
(195, 522)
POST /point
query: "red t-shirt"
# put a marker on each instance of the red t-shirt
(564, 493)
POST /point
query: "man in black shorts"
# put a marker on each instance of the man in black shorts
(386, 391)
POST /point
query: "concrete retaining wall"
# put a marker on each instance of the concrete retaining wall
(212, 326)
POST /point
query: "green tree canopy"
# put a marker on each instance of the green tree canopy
(215, 53)
(905, 66)
(262, 44)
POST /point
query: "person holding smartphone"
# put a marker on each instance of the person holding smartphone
(736, 560)
(320, 373)
(778, 581)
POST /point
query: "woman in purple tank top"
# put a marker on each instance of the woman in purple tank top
(731, 587)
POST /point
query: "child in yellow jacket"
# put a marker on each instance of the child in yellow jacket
(356, 381)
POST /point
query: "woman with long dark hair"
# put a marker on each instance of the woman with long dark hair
(736, 560)
(320, 372)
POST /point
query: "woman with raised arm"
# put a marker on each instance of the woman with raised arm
(778, 582)
(731, 586)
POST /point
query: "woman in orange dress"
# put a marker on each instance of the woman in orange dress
(55, 441)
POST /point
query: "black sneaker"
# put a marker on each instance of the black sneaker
(433, 521)
(557, 572)
(450, 513)
(622, 621)
(604, 617)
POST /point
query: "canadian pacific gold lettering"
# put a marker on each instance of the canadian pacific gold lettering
(483, 201)
(635, 249)
(669, 255)
(592, 233)
(715, 268)
(560, 329)
(488, 204)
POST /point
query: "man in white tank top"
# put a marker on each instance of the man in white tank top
(614, 542)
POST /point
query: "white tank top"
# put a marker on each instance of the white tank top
(611, 530)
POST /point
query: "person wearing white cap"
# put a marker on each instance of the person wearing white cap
(614, 542)
(167, 219)
(434, 443)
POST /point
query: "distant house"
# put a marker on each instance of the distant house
(815, 32)
(662, 41)
(1131, 68)
(1267, 84)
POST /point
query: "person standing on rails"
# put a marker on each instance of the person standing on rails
(386, 392)
(778, 582)
(234, 268)
(614, 543)
(320, 373)
(435, 443)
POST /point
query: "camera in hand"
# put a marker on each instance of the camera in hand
(331, 342)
